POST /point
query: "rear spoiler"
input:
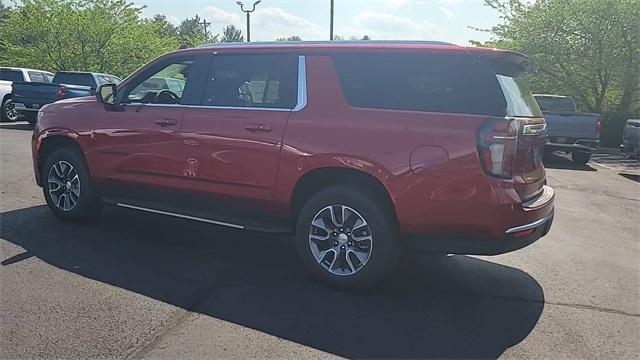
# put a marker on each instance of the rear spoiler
(508, 63)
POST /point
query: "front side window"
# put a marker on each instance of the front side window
(155, 89)
(445, 83)
(255, 81)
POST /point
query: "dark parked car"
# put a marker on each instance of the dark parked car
(9, 75)
(631, 138)
(569, 131)
(28, 98)
(360, 150)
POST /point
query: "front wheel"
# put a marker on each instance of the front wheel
(347, 238)
(67, 187)
(580, 157)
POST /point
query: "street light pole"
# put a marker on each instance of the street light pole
(331, 23)
(248, 12)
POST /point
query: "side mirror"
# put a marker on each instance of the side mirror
(107, 94)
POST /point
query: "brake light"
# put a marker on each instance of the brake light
(497, 140)
(598, 127)
(60, 92)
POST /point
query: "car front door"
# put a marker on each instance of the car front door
(233, 139)
(139, 147)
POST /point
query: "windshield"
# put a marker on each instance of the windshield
(520, 102)
(74, 79)
(548, 103)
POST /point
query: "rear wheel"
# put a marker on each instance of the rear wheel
(580, 157)
(67, 186)
(346, 238)
(9, 112)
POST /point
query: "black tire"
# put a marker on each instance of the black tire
(87, 203)
(384, 248)
(30, 116)
(580, 157)
(6, 111)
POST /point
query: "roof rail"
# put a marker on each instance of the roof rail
(327, 42)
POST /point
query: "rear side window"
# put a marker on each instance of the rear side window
(74, 79)
(520, 102)
(37, 77)
(262, 81)
(11, 75)
(447, 83)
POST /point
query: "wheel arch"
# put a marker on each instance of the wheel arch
(321, 178)
(50, 142)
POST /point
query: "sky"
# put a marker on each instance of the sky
(443, 20)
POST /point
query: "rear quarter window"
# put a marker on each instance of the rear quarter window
(444, 83)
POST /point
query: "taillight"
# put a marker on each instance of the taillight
(497, 140)
(598, 127)
(60, 92)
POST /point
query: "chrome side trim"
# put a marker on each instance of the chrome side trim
(529, 226)
(534, 129)
(302, 84)
(301, 104)
(180, 216)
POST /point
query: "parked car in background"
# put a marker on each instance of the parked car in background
(28, 98)
(8, 75)
(360, 150)
(631, 138)
(568, 130)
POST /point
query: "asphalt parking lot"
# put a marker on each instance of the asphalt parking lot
(135, 285)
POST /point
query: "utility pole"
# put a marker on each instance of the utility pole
(248, 12)
(205, 24)
(331, 23)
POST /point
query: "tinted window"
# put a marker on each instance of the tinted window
(549, 103)
(103, 79)
(36, 77)
(520, 102)
(11, 75)
(155, 89)
(253, 81)
(49, 77)
(420, 82)
(83, 79)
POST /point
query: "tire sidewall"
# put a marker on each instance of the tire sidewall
(3, 109)
(88, 202)
(385, 245)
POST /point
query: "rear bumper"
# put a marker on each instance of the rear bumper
(513, 238)
(580, 144)
(20, 107)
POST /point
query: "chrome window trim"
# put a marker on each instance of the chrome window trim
(300, 105)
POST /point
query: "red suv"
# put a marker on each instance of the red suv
(359, 149)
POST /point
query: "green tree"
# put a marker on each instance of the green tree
(163, 27)
(98, 35)
(192, 32)
(231, 34)
(589, 49)
(290, 38)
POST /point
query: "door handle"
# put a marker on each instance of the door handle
(167, 122)
(258, 127)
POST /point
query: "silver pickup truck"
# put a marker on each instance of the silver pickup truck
(568, 130)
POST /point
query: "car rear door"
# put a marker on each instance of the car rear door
(232, 140)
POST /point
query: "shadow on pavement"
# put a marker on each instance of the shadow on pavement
(632, 177)
(561, 161)
(17, 126)
(456, 307)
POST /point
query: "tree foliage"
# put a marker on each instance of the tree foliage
(589, 49)
(191, 32)
(290, 38)
(232, 34)
(99, 35)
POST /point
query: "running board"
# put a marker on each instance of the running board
(181, 216)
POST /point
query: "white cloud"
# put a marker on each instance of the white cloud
(399, 3)
(271, 22)
(220, 18)
(386, 26)
(446, 12)
(173, 20)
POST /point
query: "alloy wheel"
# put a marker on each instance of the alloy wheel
(64, 185)
(10, 112)
(340, 239)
